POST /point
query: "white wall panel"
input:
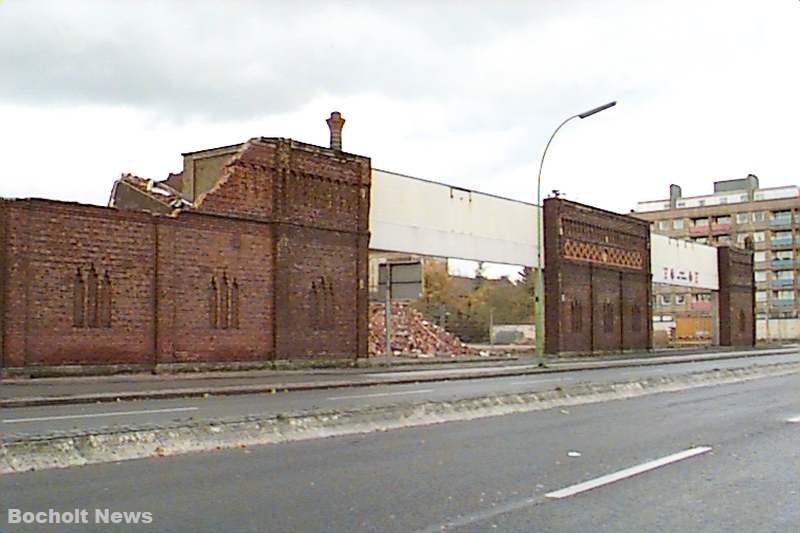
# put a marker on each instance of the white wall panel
(422, 217)
(683, 263)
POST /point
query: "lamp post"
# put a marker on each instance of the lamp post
(539, 275)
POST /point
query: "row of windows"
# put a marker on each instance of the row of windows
(785, 294)
(741, 218)
(775, 237)
(681, 299)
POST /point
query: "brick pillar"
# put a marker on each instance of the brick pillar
(737, 325)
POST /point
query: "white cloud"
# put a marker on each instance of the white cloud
(462, 92)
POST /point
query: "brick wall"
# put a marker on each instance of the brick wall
(597, 280)
(215, 300)
(272, 262)
(736, 297)
(64, 263)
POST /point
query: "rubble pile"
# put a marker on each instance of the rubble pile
(412, 334)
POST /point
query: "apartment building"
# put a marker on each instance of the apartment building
(740, 213)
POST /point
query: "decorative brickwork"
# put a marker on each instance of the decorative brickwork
(597, 280)
(606, 255)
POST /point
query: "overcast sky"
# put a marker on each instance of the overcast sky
(461, 92)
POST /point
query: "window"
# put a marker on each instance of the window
(758, 216)
(723, 239)
(783, 295)
(677, 223)
(741, 238)
(722, 220)
(784, 274)
(666, 299)
(758, 257)
(758, 236)
(223, 302)
(636, 317)
(761, 296)
(663, 225)
(699, 222)
(783, 254)
(322, 303)
(576, 316)
(742, 218)
(680, 299)
(701, 297)
(91, 298)
(608, 317)
(701, 240)
(760, 275)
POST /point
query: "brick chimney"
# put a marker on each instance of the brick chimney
(335, 124)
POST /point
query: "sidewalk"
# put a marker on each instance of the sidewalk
(71, 390)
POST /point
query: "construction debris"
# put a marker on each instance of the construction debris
(412, 334)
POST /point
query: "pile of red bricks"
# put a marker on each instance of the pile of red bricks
(412, 334)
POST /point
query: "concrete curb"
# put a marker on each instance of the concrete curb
(230, 390)
(65, 449)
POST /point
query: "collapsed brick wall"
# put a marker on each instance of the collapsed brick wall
(736, 297)
(597, 280)
(411, 333)
(272, 263)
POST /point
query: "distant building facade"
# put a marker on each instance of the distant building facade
(741, 214)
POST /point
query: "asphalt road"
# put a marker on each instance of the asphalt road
(495, 474)
(40, 420)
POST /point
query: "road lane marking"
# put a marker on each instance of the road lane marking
(379, 394)
(626, 473)
(99, 415)
(793, 420)
(452, 371)
(533, 381)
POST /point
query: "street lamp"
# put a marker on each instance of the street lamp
(539, 276)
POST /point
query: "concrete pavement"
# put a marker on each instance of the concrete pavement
(53, 391)
(492, 474)
(419, 385)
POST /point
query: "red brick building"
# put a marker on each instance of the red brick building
(255, 252)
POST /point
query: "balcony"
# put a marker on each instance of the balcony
(698, 230)
(720, 228)
(782, 263)
(782, 221)
(782, 302)
(783, 242)
(782, 282)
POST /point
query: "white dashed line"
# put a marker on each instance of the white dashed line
(534, 381)
(793, 420)
(99, 415)
(379, 394)
(628, 472)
